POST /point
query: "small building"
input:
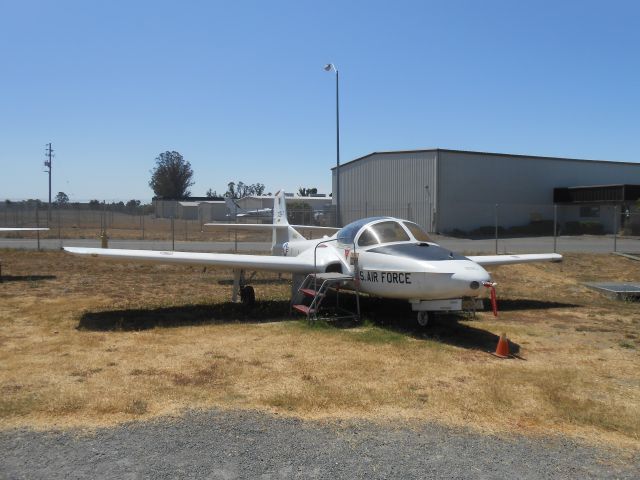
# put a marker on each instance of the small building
(187, 210)
(184, 208)
(451, 191)
(213, 211)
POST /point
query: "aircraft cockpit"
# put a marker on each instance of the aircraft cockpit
(381, 230)
(390, 236)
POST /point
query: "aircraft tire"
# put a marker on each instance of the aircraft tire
(423, 319)
(247, 295)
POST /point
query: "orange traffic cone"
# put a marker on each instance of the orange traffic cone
(502, 350)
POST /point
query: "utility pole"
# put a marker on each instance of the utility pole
(47, 163)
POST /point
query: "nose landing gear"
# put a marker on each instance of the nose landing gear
(424, 317)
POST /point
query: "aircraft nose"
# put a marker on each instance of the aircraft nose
(471, 279)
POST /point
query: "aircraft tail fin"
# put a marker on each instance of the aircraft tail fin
(280, 209)
(232, 206)
(282, 231)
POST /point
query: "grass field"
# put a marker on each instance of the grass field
(89, 343)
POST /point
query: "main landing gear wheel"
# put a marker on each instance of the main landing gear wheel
(247, 295)
(423, 318)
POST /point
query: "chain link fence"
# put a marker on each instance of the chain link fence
(554, 226)
(501, 223)
(141, 223)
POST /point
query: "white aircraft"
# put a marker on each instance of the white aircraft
(381, 256)
(236, 210)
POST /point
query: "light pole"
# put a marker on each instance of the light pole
(327, 68)
(426, 187)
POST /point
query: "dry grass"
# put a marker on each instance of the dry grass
(155, 229)
(87, 343)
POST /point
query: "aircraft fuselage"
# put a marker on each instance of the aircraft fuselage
(397, 270)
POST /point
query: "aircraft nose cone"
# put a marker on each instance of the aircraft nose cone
(471, 279)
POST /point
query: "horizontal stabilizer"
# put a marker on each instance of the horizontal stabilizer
(511, 259)
(242, 227)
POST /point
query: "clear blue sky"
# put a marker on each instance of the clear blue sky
(238, 88)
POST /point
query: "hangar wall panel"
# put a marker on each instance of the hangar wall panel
(389, 184)
(472, 183)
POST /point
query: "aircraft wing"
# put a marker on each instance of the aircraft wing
(316, 228)
(511, 259)
(263, 227)
(241, 227)
(219, 260)
(23, 229)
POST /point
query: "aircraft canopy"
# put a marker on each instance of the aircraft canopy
(379, 230)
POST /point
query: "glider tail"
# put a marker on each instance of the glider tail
(232, 206)
(282, 231)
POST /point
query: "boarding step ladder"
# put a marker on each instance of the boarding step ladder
(312, 294)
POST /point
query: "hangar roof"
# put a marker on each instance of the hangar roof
(391, 152)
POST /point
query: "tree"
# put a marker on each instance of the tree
(305, 192)
(258, 189)
(171, 177)
(240, 189)
(212, 194)
(133, 205)
(62, 198)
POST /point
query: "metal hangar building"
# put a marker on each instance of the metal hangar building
(447, 191)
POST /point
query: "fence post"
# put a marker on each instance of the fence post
(142, 218)
(59, 228)
(186, 230)
(103, 217)
(615, 228)
(496, 226)
(555, 228)
(173, 235)
(38, 226)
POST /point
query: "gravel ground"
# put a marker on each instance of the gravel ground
(221, 445)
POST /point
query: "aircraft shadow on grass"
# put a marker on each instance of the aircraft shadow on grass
(397, 316)
(25, 278)
(186, 315)
(510, 305)
(392, 315)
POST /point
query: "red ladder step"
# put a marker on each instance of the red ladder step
(302, 309)
(309, 292)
